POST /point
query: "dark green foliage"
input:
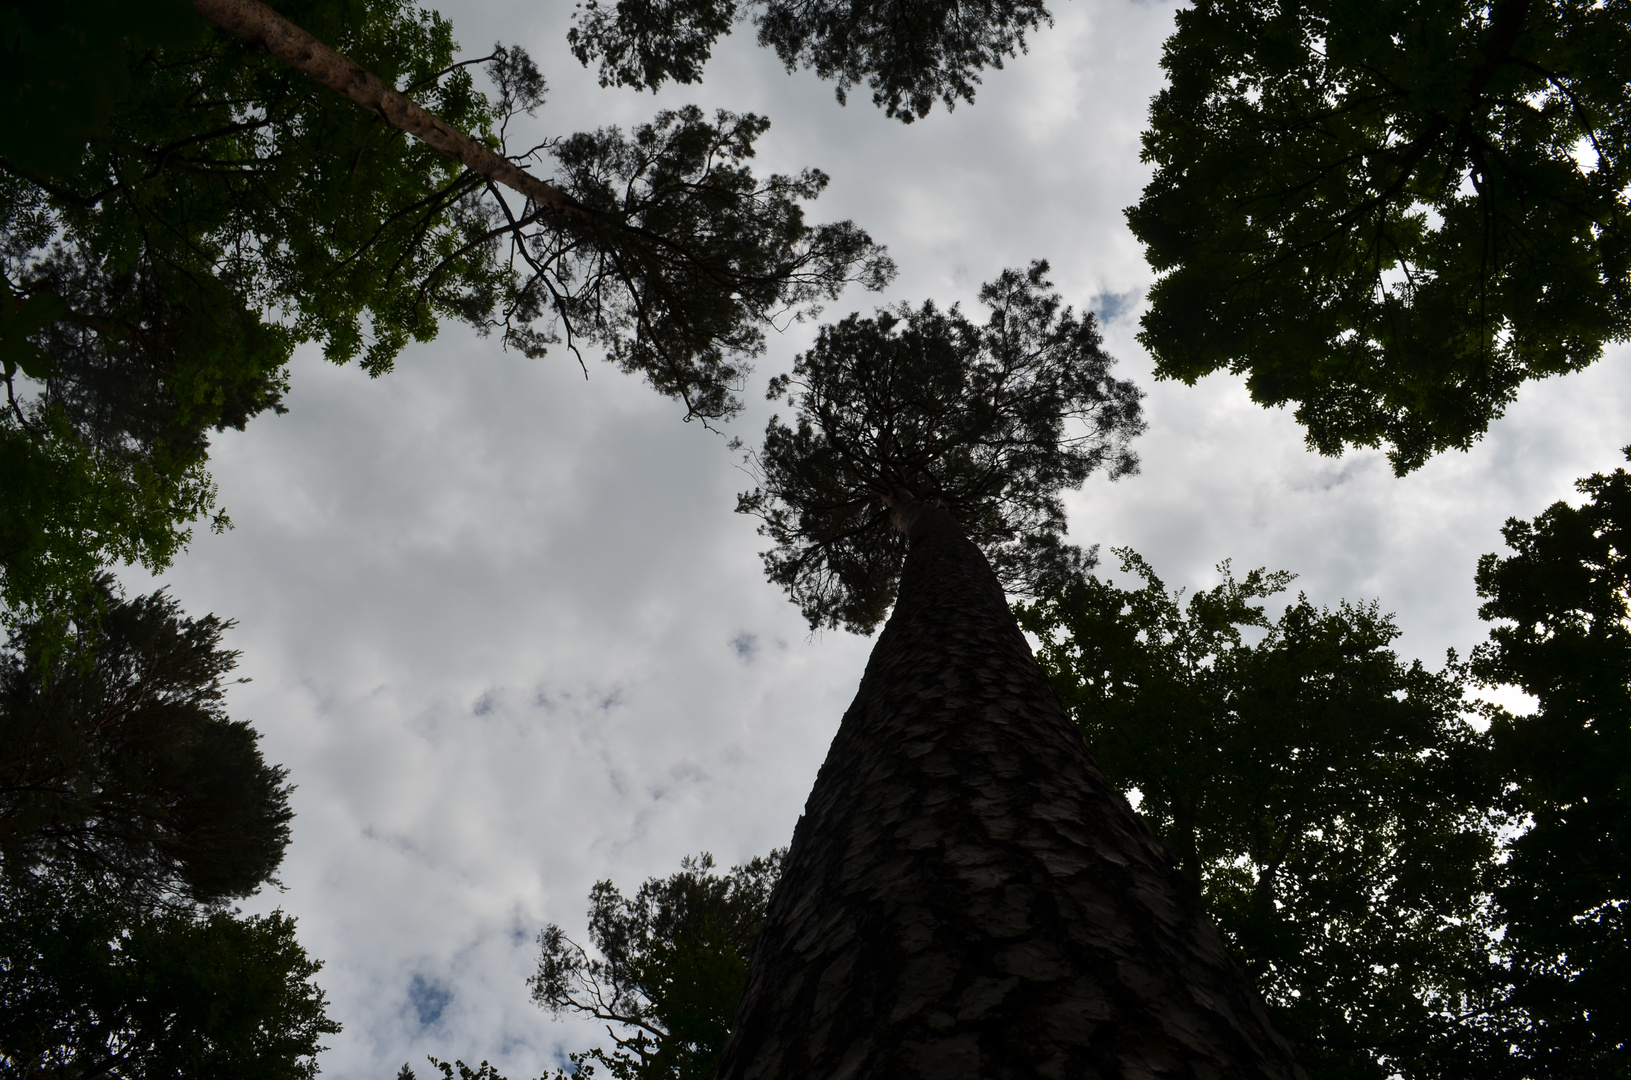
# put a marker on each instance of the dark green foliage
(1565, 637)
(1390, 215)
(120, 769)
(644, 43)
(989, 421)
(1329, 800)
(673, 960)
(67, 70)
(695, 256)
(908, 52)
(84, 991)
(458, 1070)
(222, 168)
(218, 208)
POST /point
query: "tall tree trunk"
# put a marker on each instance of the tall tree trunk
(259, 25)
(967, 897)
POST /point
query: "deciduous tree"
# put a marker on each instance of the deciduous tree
(1331, 802)
(1563, 635)
(1390, 216)
(668, 967)
(120, 769)
(132, 809)
(88, 991)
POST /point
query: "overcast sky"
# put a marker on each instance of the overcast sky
(509, 638)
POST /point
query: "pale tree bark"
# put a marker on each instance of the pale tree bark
(967, 897)
(259, 25)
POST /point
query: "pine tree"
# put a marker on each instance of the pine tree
(909, 53)
(966, 895)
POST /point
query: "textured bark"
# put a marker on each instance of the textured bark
(967, 897)
(259, 25)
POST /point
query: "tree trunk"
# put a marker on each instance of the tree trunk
(259, 25)
(967, 897)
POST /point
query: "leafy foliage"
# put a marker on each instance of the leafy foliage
(1329, 800)
(216, 208)
(990, 421)
(451, 1069)
(1390, 215)
(1564, 636)
(84, 992)
(910, 53)
(672, 962)
(120, 769)
(217, 211)
(645, 43)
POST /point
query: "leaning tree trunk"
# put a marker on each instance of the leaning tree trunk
(966, 896)
(260, 26)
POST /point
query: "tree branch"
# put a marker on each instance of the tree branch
(259, 25)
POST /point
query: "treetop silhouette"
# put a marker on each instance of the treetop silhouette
(120, 768)
(990, 421)
(966, 896)
(910, 53)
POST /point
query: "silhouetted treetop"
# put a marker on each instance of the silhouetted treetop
(1561, 600)
(91, 990)
(910, 53)
(990, 421)
(120, 769)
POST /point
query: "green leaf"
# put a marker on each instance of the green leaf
(20, 319)
(1389, 216)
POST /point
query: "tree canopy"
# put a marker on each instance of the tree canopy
(1563, 635)
(1331, 802)
(213, 211)
(1390, 216)
(85, 990)
(213, 208)
(988, 420)
(132, 809)
(671, 964)
(119, 766)
(909, 53)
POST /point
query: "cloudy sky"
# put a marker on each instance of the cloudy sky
(509, 638)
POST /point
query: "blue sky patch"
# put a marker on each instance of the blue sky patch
(428, 999)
